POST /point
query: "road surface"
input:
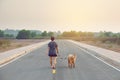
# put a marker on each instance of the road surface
(35, 66)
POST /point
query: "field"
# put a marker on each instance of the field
(110, 46)
(9, 44)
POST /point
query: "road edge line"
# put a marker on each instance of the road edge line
(95, 56)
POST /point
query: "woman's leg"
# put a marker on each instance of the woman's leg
(54, 61)
(51, 61)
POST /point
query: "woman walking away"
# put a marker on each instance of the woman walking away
(52, 52)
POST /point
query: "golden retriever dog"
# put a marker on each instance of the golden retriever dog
(71, 60)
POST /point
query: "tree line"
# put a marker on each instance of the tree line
(28, 34)
(102, 36)
(2, 35)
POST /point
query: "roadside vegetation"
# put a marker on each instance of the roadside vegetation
(4, 43)
(108, 40)
(103, 37)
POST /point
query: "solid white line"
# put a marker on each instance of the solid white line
(100, 60)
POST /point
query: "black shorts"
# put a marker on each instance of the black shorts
(52, 55)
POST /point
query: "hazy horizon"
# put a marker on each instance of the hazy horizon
(60, 15)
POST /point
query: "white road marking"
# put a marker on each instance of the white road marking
(21, 55)
(100, 59)
(13, 60)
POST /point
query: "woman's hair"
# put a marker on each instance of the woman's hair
(52, 38)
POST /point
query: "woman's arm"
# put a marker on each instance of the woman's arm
(57, 50)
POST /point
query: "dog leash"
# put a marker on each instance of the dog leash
(63, 58)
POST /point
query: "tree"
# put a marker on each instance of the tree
(23, 34)
(1, 33)
(44, 34)
(8, 36)
(70, 34)
(106, 34)
(50, 34)
(33, 34)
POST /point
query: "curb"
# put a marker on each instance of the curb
(11, 57)
(7, 56)
(93, 52)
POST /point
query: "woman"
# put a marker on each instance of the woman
(52, 52)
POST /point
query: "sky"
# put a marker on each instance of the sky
(62, 15)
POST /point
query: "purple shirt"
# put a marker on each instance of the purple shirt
(52, 48)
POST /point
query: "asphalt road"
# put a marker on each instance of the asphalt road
(35, 66)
